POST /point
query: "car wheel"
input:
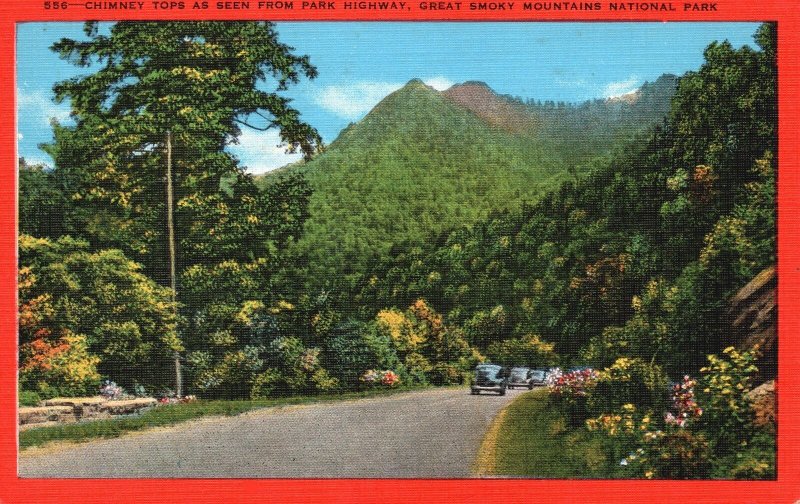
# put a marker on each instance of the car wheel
(530, 386)
(502, 391)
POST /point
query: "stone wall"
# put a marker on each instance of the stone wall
(72, 409)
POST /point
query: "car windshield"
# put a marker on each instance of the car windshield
(519, 373)
(537, 375)
(487, 370)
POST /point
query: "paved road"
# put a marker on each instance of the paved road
(424, 434)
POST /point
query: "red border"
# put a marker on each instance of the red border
(785, 490)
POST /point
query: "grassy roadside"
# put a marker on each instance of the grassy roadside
(532, 439)
(173, 414)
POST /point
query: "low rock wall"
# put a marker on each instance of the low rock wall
(72, 409)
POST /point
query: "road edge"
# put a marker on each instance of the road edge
(485, 463)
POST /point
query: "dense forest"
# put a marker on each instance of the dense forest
(422, 162)
(497, 243)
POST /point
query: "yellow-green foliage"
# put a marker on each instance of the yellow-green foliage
(64, 366)
(529, 351)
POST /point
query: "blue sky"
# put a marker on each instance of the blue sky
(360, 63)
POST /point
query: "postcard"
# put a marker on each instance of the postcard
(368, 250)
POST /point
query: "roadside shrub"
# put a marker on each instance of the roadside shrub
(29, 398)
(267, 384)
(299, 368)
(725, 387)
(446, 374)
(62, 367)
(619, 432)
(354, 347)
(570, 392)
(675, 454)
(629, 381)
(375, 378)
(529, 351)
(756, 461)
(418, 368)
(232, 376)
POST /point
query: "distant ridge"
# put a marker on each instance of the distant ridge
(423, 161)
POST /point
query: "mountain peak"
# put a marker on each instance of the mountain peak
(498, 111)
(416, 83)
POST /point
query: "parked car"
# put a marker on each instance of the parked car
(489, 377)
(538, 377)
(520, 377)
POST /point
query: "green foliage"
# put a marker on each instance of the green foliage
(715, 436)
(353, 348)
(29, 398)
(431, 351)
(83, 312)
(529, 351)
(421, 163)
(677, 454)
(62, 368)
(629, 381)
(198, 81)
(729, 415)
(637, 257)
(231, 377)
(43, 205)
(297, 369)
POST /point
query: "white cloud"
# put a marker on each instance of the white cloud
(38, 160)
(439, 83)
(351, 101)
(576, 83)
(620, 88)
(35, 104)
(260, 151)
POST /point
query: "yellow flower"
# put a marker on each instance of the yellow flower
(648, 474)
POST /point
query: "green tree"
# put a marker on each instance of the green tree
(93, 305)
(200, 82)
(146, 160)
(42, 202)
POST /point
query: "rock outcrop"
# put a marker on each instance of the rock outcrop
(753, 313)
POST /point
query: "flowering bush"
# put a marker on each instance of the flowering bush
(386, 378)
(570, 391)
(685, 408)
(552, 376)
(58, 367)
(573, 384)
(111, 391)
(671, 454)
(620, 433)
(726, 384)
(629, 381)
(390, 379)
(177, 400)
(710, 436)
(631, 440)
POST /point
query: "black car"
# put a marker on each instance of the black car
(538, 377)
(489, 377)
(520, 377)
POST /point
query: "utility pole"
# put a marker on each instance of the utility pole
(172, 274)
